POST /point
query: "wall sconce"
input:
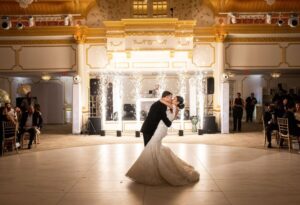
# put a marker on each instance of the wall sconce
(275, 75)
(46, 77)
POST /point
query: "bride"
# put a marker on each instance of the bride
(157, 164)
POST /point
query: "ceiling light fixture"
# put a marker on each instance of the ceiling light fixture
(5, 23)
(232, 18)
(31, 21)
(275, 75)
(269, 18)
(46, 77)
(293, 20)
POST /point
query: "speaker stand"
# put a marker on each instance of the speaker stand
(137, 134)
(200, 132)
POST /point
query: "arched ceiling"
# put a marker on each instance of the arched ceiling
(11, 7)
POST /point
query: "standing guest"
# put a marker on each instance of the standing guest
(270, 121)
(238, 106)
(250, 106)
(31, 122)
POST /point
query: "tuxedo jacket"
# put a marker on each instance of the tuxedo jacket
(156, 113)
(293, 128)
(37, 120)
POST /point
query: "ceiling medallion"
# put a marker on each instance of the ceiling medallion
(270, 2)
(24, 3)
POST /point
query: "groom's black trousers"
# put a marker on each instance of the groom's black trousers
(147, 138)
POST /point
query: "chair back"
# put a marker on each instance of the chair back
(9, 130)
(283, 125)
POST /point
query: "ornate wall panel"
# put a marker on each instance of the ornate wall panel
(204, 55)
(116, 44)
(254, 55)
(292, 55)
(96, 56)
(47, 57)
(7, 58)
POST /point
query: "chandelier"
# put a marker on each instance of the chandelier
(275, 75)
(24, 3)
(270, 2)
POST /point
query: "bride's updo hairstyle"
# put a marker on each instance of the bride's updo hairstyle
(180, 102)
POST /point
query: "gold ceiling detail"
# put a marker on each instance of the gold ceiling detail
(42, 7)
(159, 27)
(46, 7)
(162, 26)
(255, 6)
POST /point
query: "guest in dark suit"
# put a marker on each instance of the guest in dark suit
(270, 121)
(250, 106)
(31, 122)
(289, 114)
(238, 107)
(156, 113)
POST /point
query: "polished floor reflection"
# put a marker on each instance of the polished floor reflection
(95, 175)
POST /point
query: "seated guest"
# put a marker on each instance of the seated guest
(292, 122)
(297, 113)
(297, 116)
(282, 107)
(31, 122)
(10, 113)
(270, 120)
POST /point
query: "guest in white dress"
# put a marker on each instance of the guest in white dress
(157, 164)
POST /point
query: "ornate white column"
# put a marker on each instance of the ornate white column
(218, 76)
(79, 85)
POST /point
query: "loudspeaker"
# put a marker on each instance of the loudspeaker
(94, 125)
(94, 86)
(209, 124)
(210, 86)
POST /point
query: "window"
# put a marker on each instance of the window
(140, 8)
(150, 8)
(160, 8)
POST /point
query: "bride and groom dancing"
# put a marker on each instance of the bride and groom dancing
(157, 164)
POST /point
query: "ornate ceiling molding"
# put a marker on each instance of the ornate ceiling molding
(46, 7)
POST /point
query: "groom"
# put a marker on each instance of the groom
(156, 113)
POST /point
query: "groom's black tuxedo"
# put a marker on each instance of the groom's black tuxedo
(156, 113)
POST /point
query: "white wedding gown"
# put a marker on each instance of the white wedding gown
(157, 164)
